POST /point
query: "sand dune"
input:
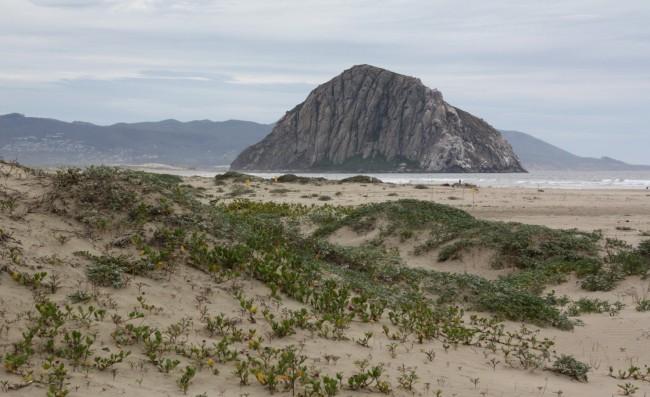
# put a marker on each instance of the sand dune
(48, 235)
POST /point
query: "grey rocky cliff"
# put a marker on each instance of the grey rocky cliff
(371, 119)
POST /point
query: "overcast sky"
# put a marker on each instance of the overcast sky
(573, 72)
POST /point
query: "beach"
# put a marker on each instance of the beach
(173, 300)
(619, 213)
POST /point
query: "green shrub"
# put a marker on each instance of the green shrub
(111, 271)
(77, 347)
(57, 376)
(184, 381)
(291, 178)
(514, 245)
(234, 176)
(632, 263)
(601, 281)
(239, 190)
(360, 179)
(644, 249)
(103, 363)
(521, 306)
(279, 191)
(643, 305)
(569, 366)
(587, 305)
(454, 250)
(107, 271)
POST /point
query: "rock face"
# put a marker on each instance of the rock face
(370, 119)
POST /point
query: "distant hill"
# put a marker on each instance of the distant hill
(203, 143)
(536, 154)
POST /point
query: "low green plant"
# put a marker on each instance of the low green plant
(632, 372)
(186, 378)
(594, 305)
(368, 378)
(280, 191)
(331, 386)
(77, 347)
(85, 316)
(167, 365)
(242, 370)
(56, 377)
(279, 368)
(9, 204)
(107, 271)
(34, 281)
(236, 177)
(365, 340)
(601, 281)
(13, 362)
(80, 296)
(281, 327)
(104, 363)
(569, 366)
(407, 377)
(643, 305)
(240, 190)
(628, 389)
(321, 386)
(223, 350)
(220, 325)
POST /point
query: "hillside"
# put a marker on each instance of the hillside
(204, 143)
(535, 154)
(371, 119)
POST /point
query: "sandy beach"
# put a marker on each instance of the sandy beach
(50, 241)
(619, 213)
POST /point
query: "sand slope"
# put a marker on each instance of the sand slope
(48, 242)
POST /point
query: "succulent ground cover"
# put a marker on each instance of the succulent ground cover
(142, 228)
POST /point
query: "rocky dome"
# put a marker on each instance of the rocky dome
(371, 119)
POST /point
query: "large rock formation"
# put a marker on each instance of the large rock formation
(371, 119)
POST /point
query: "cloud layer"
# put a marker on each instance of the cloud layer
(574, 72)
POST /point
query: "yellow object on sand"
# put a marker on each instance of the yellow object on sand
(261, 377)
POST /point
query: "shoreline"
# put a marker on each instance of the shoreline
(560, 180)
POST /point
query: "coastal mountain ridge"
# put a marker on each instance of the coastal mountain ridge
(371, 119)
(536, 154)
(199, 143)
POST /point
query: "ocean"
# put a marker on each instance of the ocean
(533, 179)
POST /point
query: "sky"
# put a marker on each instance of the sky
(573, 72)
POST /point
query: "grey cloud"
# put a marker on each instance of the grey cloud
(71, 3)
(562, 70)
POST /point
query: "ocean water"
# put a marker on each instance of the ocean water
(533, 179)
